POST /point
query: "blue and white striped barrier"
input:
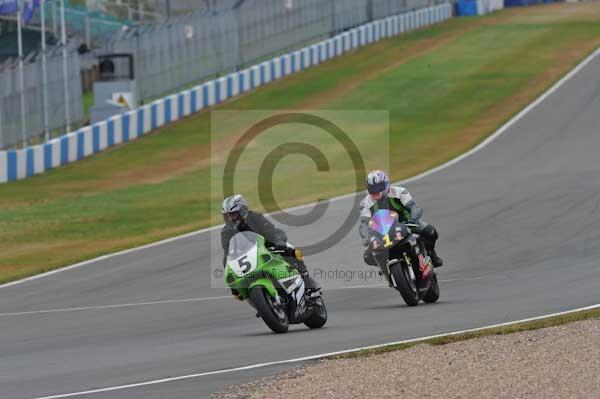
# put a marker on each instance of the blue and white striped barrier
(479, 7)
(20, 164)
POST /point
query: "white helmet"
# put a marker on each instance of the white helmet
(378, 184)
(234, 210)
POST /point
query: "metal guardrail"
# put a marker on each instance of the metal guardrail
(211, 42)
(10, 94)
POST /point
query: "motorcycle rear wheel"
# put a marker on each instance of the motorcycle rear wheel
(407, 289)
(319, 316)
(433, 293)
(276, 319)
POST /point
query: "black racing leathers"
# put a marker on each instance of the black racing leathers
(274, 237)
(257, 223)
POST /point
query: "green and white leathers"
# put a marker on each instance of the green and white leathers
(397, 199)
(273, 287)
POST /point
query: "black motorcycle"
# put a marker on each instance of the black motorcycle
(402, 258)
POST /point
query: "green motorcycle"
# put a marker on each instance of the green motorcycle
(272, 287)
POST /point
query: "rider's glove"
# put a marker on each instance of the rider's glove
(298, 254)
(415, 213)
(280, 245)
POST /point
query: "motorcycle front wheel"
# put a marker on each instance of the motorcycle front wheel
(272, 314)
(404, 284)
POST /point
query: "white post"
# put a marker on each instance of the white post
(63, 29)
(44, 72)
(54, 22)
(140, 11)
(1, 132)
(21, 72)
(88, 34)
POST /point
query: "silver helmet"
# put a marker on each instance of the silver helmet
(234, 210)
(378, 184)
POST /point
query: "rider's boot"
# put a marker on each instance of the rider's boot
(312, 285)
(435, 259)
(430, 236)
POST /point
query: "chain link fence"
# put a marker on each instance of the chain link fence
(216, 39)
(84, 26)
(10, 97)
(213, 41)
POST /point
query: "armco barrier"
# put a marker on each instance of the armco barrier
(20, 164)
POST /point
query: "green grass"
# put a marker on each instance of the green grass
(509, 329)
(446, 88)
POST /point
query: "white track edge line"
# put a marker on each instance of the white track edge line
(477, 148)
(312, 357)
(188, 300)
(116, 306)
(164, 302)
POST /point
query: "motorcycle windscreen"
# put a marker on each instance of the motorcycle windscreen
(382, 221)
(243, 253)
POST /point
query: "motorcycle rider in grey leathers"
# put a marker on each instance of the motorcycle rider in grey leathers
(381, 195)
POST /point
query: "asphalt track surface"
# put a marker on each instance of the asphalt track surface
(520, 226)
